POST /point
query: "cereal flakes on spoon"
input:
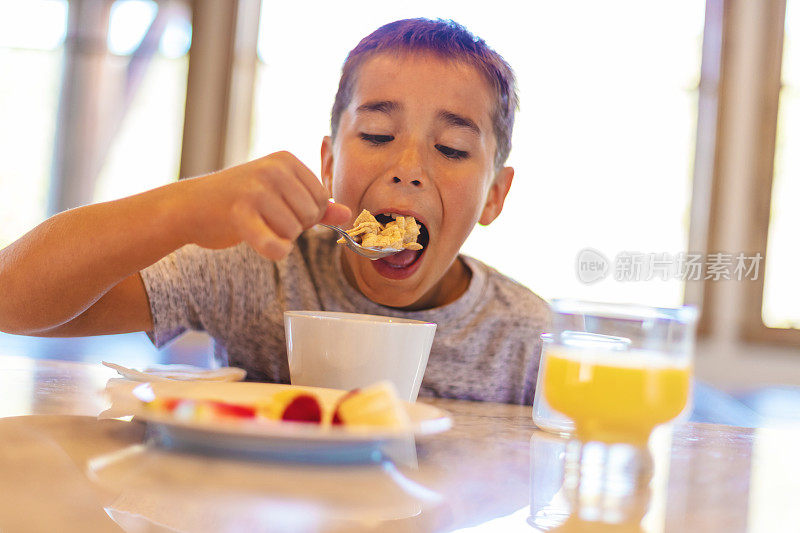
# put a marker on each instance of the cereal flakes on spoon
(398, 234)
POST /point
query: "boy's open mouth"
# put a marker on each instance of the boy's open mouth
(403, 264)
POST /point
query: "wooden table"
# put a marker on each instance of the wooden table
(62, 469)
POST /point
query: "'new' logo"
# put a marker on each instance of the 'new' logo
(591, 266)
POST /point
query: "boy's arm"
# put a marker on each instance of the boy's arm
(77, 272)
(123, 309)
(54, 274)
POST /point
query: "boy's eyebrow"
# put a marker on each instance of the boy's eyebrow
(452, 119)
(459, 121)
(383, 106)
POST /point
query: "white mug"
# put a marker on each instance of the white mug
(347, 350)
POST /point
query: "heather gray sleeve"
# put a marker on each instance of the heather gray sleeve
(194, 288)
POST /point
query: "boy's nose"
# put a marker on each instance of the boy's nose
(409, 168)
(416, 182)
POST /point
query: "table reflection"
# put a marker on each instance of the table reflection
(33, 387)
(596, 487)
(221, 493)
(492, 472)
(118, 479)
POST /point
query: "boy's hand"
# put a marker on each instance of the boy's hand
(266, 203)
(77, 273)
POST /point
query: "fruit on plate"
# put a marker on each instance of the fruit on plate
(191, 409)
(373, 406)
(376, 405)
(292, 405)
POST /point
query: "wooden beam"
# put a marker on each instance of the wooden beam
(216, 129)
(79, 123)
(243, 80)
(711, 130)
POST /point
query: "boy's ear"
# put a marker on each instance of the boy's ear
(326, 155)
(497, 195)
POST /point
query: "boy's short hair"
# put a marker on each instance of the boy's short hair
(448, 40)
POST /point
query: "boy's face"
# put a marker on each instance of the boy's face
(417, 139)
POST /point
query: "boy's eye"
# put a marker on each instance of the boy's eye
(377, 139)
(451, 153)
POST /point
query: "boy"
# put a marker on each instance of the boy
(421, 126)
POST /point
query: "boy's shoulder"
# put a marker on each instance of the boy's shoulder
(509, 297)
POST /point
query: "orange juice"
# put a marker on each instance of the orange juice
(616, 396)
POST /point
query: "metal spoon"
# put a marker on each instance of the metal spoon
(369, 252)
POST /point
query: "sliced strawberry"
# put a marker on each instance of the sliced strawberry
(163, 404)
(233, 410)
(171, 403)
(303, 408)
(337, 420)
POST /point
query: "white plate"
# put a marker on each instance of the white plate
(289, 440)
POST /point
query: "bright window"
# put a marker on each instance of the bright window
(31, 44)
(143, 122)
(146, 129)
(781, 308)
(603, 143)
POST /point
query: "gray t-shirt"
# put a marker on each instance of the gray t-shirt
(486, 345)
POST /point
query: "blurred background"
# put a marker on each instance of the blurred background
(647, 130)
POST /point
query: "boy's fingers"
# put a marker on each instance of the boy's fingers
(280, 218)
(276, 248)
(255, 232)
(300, 201)
(312, 184)
(336, 214)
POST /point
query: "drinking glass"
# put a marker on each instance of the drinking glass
(609, 374)
(615, 371)
(545, 416)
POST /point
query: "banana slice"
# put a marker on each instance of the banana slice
(376, 405)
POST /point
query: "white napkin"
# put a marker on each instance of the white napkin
(179, 373)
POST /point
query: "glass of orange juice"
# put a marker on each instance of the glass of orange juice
(617, 371)
(610, 374)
